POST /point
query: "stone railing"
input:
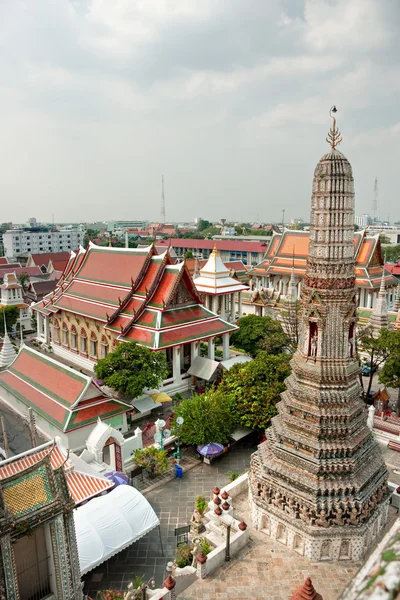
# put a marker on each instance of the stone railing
(216, 558)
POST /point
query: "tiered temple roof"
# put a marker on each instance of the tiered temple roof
(292, 248)
(135, 293)
(61, 395)
(215, 277)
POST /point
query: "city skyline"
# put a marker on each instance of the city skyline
(228, 104)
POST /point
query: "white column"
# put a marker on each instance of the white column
(211, 348)
(194, 350)
(233, 308)
(47, 329)
(39, 325)
(176, 363)
(239, 304)
(223, 306)
(214, 304)
(225, 346)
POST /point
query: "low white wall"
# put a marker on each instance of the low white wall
(159, 594)
(131, 444)
(238, 486)
(73, 357)
(216, 557)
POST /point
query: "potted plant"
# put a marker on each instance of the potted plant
(201, 504)
(153, 460)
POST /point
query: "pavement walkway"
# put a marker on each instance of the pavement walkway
(267, 570)
(173, 502)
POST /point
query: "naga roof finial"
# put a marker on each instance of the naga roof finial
(334, 138)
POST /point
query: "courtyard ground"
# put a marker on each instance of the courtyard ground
(173, 502)
(265, 570)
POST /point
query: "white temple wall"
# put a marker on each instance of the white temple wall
(333, 543)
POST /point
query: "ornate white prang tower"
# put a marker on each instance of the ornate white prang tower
(318, 484)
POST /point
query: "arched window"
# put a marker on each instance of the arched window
(104, 346)
(344, 549)
(281, 533)
(93, 345)
(64, 334)
(326, 549)
(83, 341)
(298, 544)
(74, 338)
(265, 524)
(56, 331)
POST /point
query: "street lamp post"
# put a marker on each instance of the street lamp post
(160, 423)
(179, 423)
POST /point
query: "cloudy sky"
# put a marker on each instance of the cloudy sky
(229, 99)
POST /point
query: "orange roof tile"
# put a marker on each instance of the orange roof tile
(293, 243)
(54, 379)
(103, 266)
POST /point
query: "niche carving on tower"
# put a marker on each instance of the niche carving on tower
(351, 341)
(312, 339)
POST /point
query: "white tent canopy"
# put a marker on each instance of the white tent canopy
(203, 368)
(108, 524)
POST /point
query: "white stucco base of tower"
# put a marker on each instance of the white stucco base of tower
(347, 543)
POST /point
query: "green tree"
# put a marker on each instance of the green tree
(207, 418)
(392, 253)
(23, 280)
(193, 235)
(253, 389)
(376, 350)
(390, 372)
(385, 239)
(131, 368)
(260, 333)
(153, 460)
(189, 254)
(203, 224)
(12, 314)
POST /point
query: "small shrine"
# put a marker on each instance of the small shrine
(7, 352)
(219, 290)
(104, 448)
(11, 295)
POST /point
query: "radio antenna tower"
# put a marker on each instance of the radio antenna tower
(375, 201)
(162, 200)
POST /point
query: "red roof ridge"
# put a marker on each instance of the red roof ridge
(306, 592)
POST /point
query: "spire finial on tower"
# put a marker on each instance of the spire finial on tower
(334, 138)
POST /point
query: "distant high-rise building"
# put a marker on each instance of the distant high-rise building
(117, 225)
(363, 221)
(41, 240)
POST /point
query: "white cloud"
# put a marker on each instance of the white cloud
(223, 97)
